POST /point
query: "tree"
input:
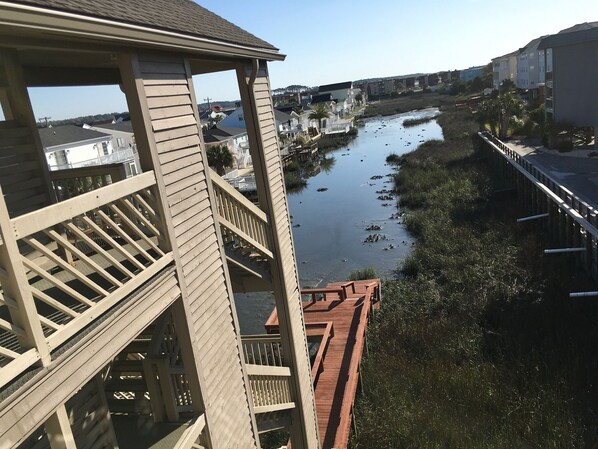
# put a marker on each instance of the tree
(500, 111)
(359, 97)
(220, 158)
(318, 113)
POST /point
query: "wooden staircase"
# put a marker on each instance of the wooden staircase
(148, 376)
(244, 228)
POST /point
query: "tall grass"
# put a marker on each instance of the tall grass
(477, 345)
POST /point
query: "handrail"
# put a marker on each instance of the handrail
(351, 389)
(240, 219)
(189, 438)
(75, 260)
(27, 224)
(580, 211)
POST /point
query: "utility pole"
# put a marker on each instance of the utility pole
(45, 119)
(208, 100)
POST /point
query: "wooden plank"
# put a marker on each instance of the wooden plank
(169, 100)
(162, 68)
(177, 122)
(170, 112)
(166, 90)
(174, 148)
(170, 134)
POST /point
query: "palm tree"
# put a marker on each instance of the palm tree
(318, 113)
(219, 157)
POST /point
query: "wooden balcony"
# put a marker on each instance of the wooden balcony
(63, 266)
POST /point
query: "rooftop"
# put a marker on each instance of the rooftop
(63, 135)
(180, 16)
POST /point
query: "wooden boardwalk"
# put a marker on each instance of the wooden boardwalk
(337, 319)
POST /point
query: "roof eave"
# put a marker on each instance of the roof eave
(70, 24)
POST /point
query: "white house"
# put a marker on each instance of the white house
(342, 94)
(504, 68)
(123, 144)
(71, 146)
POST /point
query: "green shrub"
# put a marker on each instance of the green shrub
(363, 274)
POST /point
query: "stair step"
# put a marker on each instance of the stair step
(134, 385)
(137, 346)
(127, 366)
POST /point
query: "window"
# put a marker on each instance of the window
(120, 142)
(105, 148)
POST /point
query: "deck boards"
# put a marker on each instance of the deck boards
(339, 374)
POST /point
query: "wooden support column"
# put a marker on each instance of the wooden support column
(58, 429)
(19, 105)
(159, 91)
(254, 86)
(15, 286)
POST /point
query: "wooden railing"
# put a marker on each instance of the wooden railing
(72, 182)
(269, 380)
(63, 266)
(262, 350)
(270, 388)
(241, 221)
(191, 436)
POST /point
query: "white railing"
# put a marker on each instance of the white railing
(126, 154)
(63, 266)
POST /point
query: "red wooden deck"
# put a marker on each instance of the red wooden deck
(341, 326)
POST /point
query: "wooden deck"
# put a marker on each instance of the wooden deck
(339, 326)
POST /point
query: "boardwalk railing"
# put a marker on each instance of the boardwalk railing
(240, 220)
(269, 380)
(572, 200)
(572, 222)
(63, 266)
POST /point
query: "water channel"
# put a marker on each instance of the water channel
(329, 226)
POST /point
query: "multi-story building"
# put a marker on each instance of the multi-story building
(530, 67)
(471, 73)
(117, 319)
(571, 73)
(504, 68)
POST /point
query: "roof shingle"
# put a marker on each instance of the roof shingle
(180, 16)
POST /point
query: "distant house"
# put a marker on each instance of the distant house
(234, 138)
(342, 93)
(531, 67)
(504, 68)
(571, 74)
(471, 73)
(71, 146)
(123, 144)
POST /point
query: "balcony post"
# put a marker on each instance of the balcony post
(15, 286)
(59, 431)
(159, 90)
(256, 97)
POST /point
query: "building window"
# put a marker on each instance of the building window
(105, 148)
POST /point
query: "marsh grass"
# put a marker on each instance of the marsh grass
(477, 346)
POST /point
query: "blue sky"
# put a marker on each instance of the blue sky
(328, 41)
